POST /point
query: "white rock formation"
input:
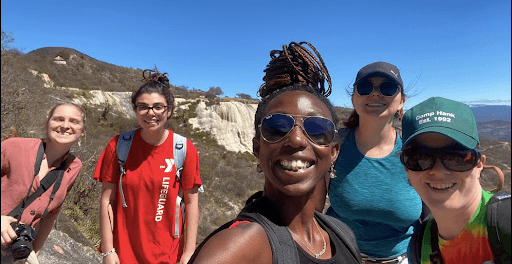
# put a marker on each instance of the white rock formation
(120, 101)
(231, 123)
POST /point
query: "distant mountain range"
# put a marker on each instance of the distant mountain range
(497, 129)
(493, 121)
(484, 113)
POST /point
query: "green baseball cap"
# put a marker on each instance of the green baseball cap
(440, 115)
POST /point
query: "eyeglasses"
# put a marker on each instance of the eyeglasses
(386, 88)
(319, 130)
(143, 109)
(422, 159)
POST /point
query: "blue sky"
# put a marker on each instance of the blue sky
(455, 49)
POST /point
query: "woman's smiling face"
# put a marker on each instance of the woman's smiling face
(375, 105)
(66, 125)
(151, 119)
(440, 188)
(295, 164)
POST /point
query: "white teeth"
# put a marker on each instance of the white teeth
(441, 186)
(295, 165)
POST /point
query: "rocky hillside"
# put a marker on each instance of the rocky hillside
(221, 129)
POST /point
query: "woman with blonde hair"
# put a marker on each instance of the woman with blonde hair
(32, 195)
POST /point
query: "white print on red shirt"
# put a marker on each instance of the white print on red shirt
(164, 190)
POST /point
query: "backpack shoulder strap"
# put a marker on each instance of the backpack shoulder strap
(284, 250)
(498, 226)
(344, 232)
(122, 149)
(282, 253)
(198, 249)
(414, 248)
(180, 153)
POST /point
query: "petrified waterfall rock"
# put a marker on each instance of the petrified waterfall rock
(230, 123)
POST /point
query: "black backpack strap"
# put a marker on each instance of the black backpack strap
(344, 232)
(414, 247)
(435, 256)
(281, 242)
(498, 226)
(54, 176)
(16, 212)
(261, 211)
(198, 249)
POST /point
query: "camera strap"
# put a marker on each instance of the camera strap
(46, 182)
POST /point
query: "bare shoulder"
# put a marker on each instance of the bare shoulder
(245, 243)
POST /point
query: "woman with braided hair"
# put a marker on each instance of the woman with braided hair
(294, 143)
(138, 201)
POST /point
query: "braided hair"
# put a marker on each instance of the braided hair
(295, 64)
(295, 68)
(154, 82)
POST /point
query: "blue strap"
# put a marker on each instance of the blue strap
(122, 149)
(180, 152)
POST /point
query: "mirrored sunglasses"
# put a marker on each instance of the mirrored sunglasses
(319, 130)
(422, 158)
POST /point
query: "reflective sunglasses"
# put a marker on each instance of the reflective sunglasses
(422, 159)
(319, 130)
(388, 88)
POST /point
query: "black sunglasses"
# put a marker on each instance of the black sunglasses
(422, 158)
(386, 88)
(319, 130)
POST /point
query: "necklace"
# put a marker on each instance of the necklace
(325, 245)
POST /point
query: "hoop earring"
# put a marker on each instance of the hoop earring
(332, 171)
(259, 169)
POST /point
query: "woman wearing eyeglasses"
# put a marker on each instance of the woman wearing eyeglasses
(294, 143)
(138, 219)
(444, 166)
(369, 193)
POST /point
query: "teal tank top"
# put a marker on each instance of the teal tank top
(372, 196)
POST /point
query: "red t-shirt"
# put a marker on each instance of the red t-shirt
(143, 231)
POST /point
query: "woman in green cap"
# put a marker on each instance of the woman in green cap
(444, 166)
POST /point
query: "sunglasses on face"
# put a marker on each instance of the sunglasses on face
(422, 159)
(319, 130)
(386, 88)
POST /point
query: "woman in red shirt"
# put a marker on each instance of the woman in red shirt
(142, 232)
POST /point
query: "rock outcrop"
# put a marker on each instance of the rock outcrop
(230, 123)
(66, 244)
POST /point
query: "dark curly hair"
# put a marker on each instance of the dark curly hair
(295, 68)
(155, 82)
(295, 64)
